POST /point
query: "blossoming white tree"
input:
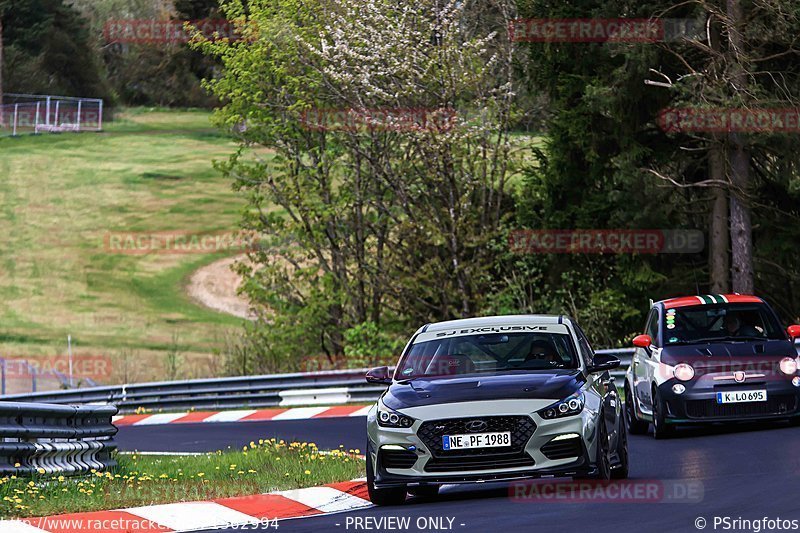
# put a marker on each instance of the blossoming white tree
(396, 184)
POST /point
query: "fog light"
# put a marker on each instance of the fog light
(678, 388)
(788, 365)
(796, 381)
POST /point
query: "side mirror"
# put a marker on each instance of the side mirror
(642, 341)
(794, 331)
(603, 363)
(379, 375)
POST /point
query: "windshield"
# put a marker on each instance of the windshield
(481, 354)
(723, 322)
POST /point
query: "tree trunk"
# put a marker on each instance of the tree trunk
(741, 226)
(718, 259)
(739, 159)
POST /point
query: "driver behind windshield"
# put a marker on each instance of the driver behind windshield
(541, 350)
(733, 327)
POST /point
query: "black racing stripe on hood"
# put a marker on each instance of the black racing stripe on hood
(420, 392)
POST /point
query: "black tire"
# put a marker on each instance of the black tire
(660, 428)
(621, 472)
(635, 426)
(391, 496)
(794, 421)
(425, 491)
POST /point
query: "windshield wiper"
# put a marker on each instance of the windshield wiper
(730, 339)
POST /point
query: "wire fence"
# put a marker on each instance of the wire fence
(23, 114)
(18, 376)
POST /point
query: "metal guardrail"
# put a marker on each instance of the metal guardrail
(42, 438)
(315, 388)
(329, 387)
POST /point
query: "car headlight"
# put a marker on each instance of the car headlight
(392, 419)
(788, 365)
(568, 407)
(683, 372)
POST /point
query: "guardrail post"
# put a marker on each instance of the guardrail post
(14, 128)
(35, 129)
(100, 117)
(78, 122)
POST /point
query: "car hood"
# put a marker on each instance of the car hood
(730, 356)
(555, 385)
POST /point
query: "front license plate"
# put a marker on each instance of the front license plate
(476, 440)
(742, 396)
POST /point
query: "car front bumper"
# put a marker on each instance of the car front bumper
(698, 404)
(426, 463)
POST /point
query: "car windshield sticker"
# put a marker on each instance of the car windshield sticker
(510, 328)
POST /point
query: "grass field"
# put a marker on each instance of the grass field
(62, 195)
(263, 466)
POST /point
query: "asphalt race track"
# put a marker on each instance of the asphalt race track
(326, 433)
(745, 471)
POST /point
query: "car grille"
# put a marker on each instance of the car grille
(397, 458)
(521, 428)
(562, 449)
(777, 404)
(479, 462)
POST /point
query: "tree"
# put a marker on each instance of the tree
(388, 217)
(48, 50)
(744, 60)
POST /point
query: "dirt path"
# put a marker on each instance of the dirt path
(215, 286)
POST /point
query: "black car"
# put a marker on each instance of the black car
(714, 358)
